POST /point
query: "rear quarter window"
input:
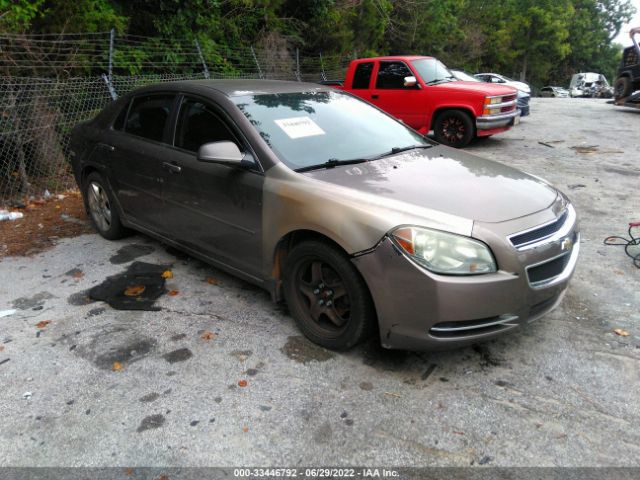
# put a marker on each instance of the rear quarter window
(148, 116)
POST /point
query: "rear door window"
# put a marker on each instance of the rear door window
(391, 75)
(148, 116)
(198, 124)
(362, 76)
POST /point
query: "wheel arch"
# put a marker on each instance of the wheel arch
(463, 108)
(285, 244)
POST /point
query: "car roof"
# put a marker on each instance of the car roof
(394, 57)
(234, 87)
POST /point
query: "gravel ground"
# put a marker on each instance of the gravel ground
(221, 376)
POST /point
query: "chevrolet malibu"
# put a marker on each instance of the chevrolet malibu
(358, 222)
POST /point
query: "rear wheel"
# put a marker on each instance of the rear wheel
(101, 207)
(453, 128)
(623, 87)
(327, 296)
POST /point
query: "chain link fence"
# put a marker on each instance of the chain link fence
(49, 83)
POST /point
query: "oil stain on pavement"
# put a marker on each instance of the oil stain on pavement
(302, 350)
(131, 252)
(145, 278)
(151, 422)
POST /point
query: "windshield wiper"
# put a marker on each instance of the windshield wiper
(331, 163)
(440, 80)
(396, 150)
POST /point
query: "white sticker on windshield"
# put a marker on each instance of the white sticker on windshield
(299, 127)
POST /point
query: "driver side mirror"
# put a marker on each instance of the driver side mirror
(411, 82)
(224, 153)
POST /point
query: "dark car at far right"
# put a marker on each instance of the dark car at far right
(628, 78)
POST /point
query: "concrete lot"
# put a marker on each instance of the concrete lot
(562, 392)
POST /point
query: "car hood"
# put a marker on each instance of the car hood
(446, 180)
(475, 87)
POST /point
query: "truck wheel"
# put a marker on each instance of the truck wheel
(453, 128)
(623, 87)
(327, 297)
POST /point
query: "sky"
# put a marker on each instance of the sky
(623, 36)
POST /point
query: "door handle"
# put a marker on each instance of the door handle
(375, 96)
(172, 167)
(108, 147)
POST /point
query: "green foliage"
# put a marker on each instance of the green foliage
(17, 15)
(540, 41)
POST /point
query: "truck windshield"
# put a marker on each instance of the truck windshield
(432, 71)
(311, 128)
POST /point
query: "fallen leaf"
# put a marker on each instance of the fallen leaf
(245, 429)
(173, 293)
(212, 281)
(117, 366)
(242, 383)
(43, 323)
(78, 274)
(167, 274)
(621, 332)
(208, 336)
(134, 290)
(1, 348)
(128, 472)
(458, 433)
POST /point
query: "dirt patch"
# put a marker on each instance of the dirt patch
(43, 224)
(302, 350)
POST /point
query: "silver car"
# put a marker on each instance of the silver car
(358, 222)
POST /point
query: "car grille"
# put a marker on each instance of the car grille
(538, 234)
(545, 272)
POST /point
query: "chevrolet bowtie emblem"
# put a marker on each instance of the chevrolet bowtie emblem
(566, 244)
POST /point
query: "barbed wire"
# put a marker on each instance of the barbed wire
(49, 82)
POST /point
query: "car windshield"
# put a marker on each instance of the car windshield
(311, 128)
(432, 70)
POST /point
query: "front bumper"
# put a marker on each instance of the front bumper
(489, 122)
(420, 310)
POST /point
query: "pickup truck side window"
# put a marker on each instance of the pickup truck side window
(362, 77)
(391, 75)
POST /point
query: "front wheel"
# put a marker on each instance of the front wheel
(453, 128)
(327, 296)
(623, 87)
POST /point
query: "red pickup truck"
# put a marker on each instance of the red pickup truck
(424, 94)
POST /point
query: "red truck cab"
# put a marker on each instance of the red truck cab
(423, 93)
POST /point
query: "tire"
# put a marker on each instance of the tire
(453, 128)
(327, 297)
(101, 207)
(623, 87)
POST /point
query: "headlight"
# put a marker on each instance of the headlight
(446, 253)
